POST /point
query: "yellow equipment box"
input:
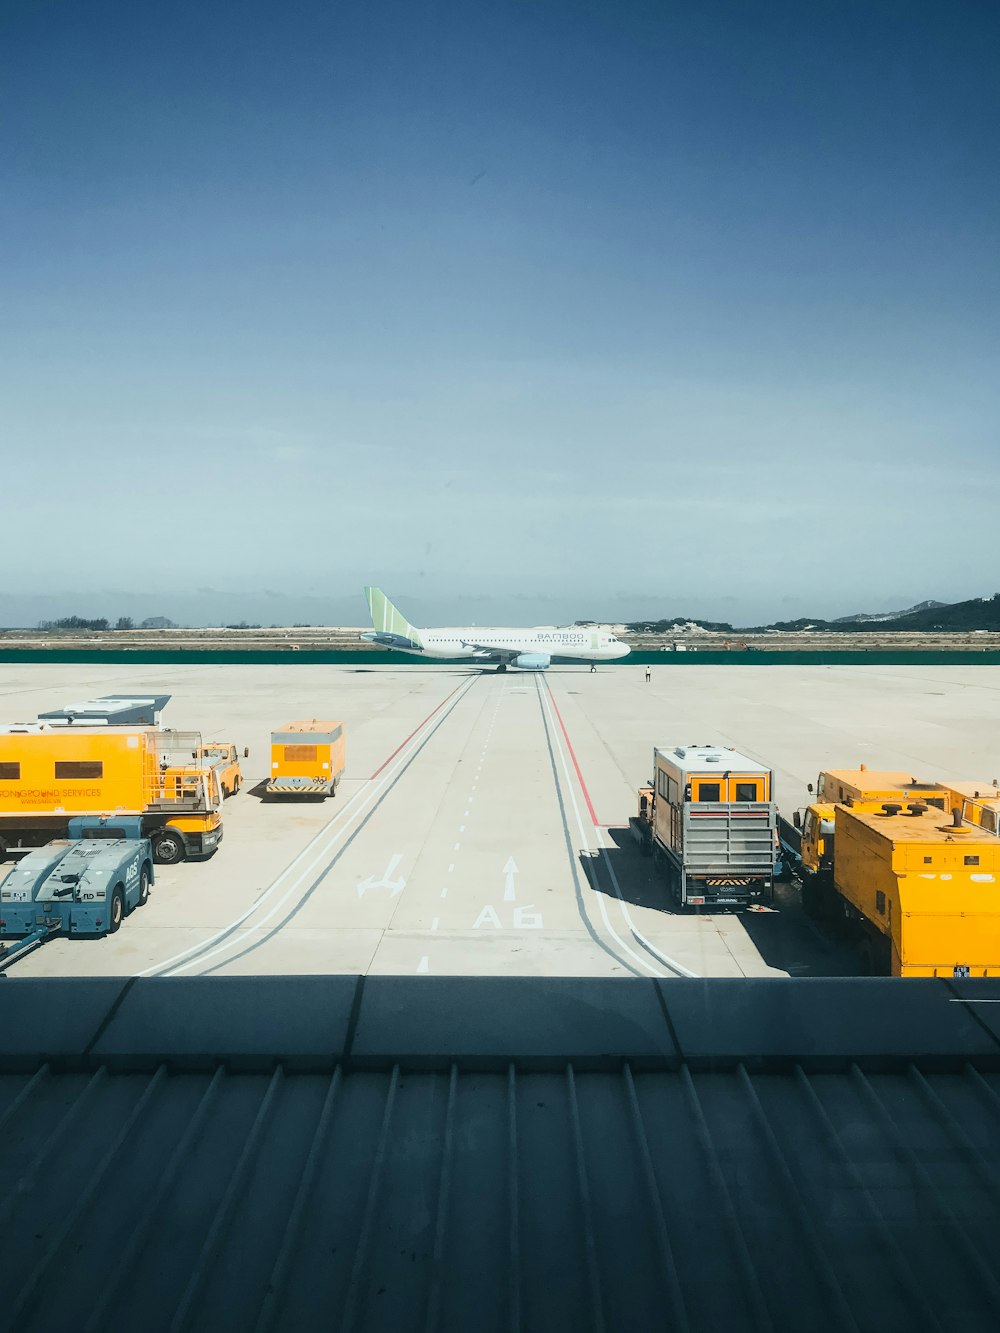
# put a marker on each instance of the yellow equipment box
(924, 888)
(307, 759)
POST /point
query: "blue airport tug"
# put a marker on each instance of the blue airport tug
(85, 884)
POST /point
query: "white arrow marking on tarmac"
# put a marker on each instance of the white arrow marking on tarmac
(509, 870)
(386, 882)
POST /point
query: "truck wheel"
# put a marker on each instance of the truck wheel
(236, 786)
(144, 887)
(117, 910)
(3, 851)
(168, 848)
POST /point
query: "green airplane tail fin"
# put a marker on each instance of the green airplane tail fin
(387, 620)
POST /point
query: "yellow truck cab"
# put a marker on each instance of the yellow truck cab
(817, 828)
(222, 757)
(307, 759)
(979, 803)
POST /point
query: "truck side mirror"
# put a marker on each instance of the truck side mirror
(809, 788)
(246, 752)
(797, 819)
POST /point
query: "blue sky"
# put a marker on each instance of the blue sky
(525, 311)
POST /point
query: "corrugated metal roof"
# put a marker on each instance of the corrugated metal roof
(353, 1170)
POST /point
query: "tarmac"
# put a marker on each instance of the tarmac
(482, 824)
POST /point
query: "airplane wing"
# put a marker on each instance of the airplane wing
(490, 653)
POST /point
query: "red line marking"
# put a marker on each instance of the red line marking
(572, 755)
(414, 732)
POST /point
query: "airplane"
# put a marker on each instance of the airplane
(528, 649)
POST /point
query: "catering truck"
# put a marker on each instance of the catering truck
(709, 819)
(51, 773)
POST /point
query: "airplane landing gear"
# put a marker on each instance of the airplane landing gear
(501, 667)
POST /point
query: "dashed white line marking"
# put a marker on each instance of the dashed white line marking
(456, 847)
(464, 813)
(444, 892)
(422, 966)
(435, 922)
(461, 828)
(451, 867)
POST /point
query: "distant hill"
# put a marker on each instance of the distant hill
(980, 613)
(678, 622)
(862, 616)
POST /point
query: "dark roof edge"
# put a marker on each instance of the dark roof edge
(317, 1022)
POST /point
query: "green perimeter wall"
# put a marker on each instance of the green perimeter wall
(284, 657)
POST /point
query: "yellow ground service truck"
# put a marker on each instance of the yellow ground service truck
(808, 842)
(710, 822)
(49, 774)
(307, 759)
(917, 887)
(222, 756)
(851, 785)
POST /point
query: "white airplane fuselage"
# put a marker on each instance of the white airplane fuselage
(579, 645)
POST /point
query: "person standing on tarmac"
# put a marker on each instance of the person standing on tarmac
(647, 675)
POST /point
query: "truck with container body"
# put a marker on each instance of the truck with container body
(850, 785)
(709, 819)
(807, 841)
(307, 759)
(85, 884)
(916, 887)
(51, 774)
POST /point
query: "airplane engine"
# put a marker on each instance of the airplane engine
(532, 661)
